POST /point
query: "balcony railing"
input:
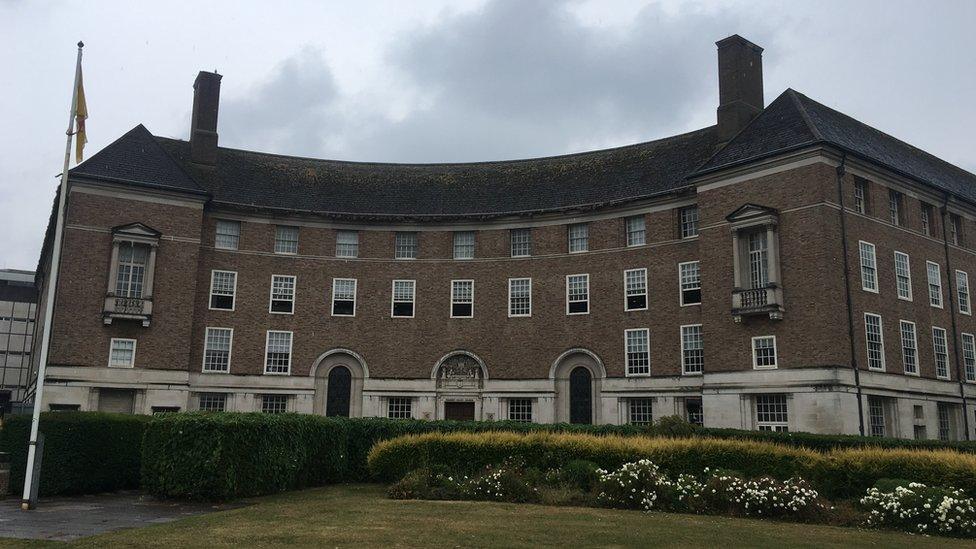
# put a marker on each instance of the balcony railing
(757, 301)
(127, 308)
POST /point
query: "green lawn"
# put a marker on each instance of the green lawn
(362, 516)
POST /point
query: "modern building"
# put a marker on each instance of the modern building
(788, 268)
(18, 309)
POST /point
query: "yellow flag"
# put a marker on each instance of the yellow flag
(81, 113)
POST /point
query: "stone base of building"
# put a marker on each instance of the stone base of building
(817, 400)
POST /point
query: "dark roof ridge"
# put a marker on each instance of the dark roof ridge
(456, 164)
(795, 96)
(871, 128)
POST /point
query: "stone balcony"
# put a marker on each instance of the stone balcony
(757, 301)
(127, 308)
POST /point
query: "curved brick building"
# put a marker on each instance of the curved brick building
(786, 268)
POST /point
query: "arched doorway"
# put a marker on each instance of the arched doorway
(459, 378)
(339, 377)
(339, 392)
(577, 376)
(580, 396)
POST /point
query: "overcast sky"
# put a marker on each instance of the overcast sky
(425, 81)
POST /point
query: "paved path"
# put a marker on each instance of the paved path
(68, 518)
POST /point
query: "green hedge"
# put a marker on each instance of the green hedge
(230, 455)
(838, 474)
(84, 452)
(826, 443)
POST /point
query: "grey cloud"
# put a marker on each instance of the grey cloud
(514, 78)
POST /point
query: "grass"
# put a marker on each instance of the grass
(362, 516)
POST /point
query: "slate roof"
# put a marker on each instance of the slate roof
(480, 189)
(137, 159)
(795, 121)
(574, 182)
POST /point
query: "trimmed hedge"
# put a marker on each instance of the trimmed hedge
(230, 455)
(84, 452)
(838, 474)
(826, 443)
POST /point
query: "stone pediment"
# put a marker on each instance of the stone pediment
(136, 230)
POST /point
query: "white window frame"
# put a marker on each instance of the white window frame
(681, 289)
(937, 284)
(277, 240)
(222, 397)
(894, 207)
(773, 426)
(963, 296)
(860, 195)
(111, 349)
(686, 228)
(347, 250)
(453, 302)
(513, 242)
(639, 234)
(869, 278)
(409, 408)
(217, 233)
(520, 315)
(413, 247)
(904, 347)
(291, 347)
(464, 245)
(637, 404)
(935, 351)
(230, 350)
(627, 290)
(210, 296)
(586, 278)
(413, 298)
(968, 343)
(684, 342)
(926, 219)
(294, 294)
(906, 276)
(880, 342)
(627, 352)
(755, 355)
(585, 238)
(355, 289)
(276, 396)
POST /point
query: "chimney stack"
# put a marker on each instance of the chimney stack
(740, 86)
(203, 124)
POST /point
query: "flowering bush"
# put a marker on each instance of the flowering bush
(506, 482)
(763, 497)
(641, 485)
(921, 509)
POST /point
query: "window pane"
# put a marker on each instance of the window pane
(274, 404)
(903, 276)
(520, 409)
(216, 354)
(934, 273)
(772, 413)
(228, 235)
(399, 408)
(579, 236)
(405, 245)
(636, 231)
(282, 294)
(909, 347)
(222, 289)
(343, 297)
(962, 288)
(464, 245)
(131, 269)
(639, 411)
(690, 283)
(519, 297)
(875, 341)
(347, 244)
(638, 351)
(764, 352)
(286, 240)
(692, 349)
(462, 298)
(403, 297)
(941, 348)
(122, 353)
(577, 294)
(869, 267)
(635, 288)
(521, 242)
(689, 221)
(278, 353)
(213, 402)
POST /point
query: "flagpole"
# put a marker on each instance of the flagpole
(30, 496)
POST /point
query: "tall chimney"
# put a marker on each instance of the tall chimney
(203, 124)
(740, 86)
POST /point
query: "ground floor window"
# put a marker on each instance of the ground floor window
(159, 410)
(694, 412)
(64, 407)
(920, 433)
(274, 404)
(771, 413)
(213, 402)
(946, 412)
(520, 409)
(639, 411)
(399, 408)
(876, 417)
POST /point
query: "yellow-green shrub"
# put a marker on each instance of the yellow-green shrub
(389, 460)
(838, 474)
